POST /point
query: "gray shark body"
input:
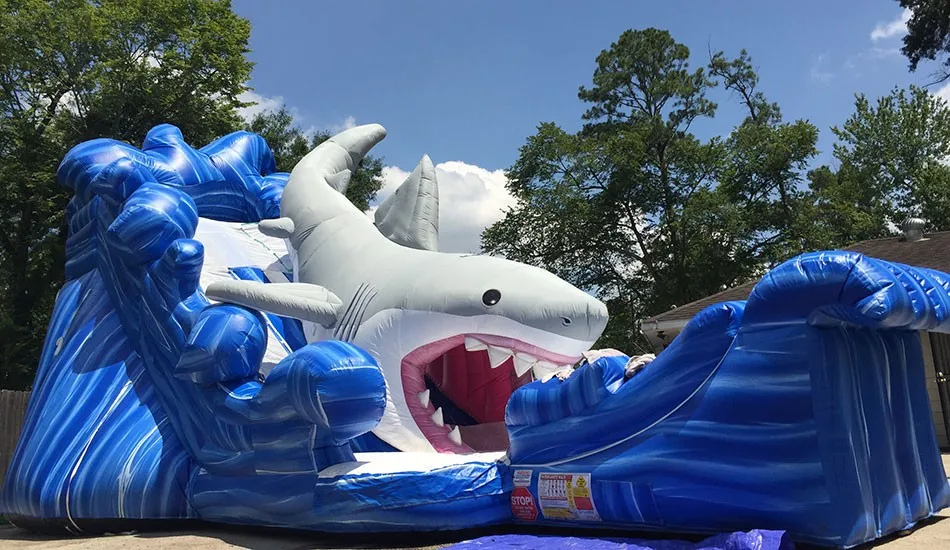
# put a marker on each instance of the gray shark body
(384, 287)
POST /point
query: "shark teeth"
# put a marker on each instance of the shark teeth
(424, 398)
(544, 368)
(497, 356)
(455, 436)
(474, 344)
(437, 417)
(523, 363)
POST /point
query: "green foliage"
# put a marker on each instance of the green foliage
(898, 147)
(72, 70)
(641, 211)
(290, 144)
(928, 33)
(844, 209)
(637, 209)
(762, 171)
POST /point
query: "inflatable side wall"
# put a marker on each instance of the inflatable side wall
(803, 409)
(144, 383)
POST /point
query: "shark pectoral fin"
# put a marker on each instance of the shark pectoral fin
(340, 181)
(298, 300)
(410, 216)
(280, 228)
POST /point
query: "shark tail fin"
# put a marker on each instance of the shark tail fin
(298, 300)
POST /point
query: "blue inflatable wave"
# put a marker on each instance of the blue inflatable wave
(803, 409)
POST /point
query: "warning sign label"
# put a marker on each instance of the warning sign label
(566, 496)
(522, 478)
(522, 505)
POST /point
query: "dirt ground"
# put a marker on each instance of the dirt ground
(208, 539)
(933, 534)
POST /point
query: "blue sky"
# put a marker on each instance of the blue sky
(469, 81)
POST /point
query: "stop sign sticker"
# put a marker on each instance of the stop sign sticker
(522, 504)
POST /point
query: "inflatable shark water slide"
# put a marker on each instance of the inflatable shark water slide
(241, 346)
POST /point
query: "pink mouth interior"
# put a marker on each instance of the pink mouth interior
(471, 394)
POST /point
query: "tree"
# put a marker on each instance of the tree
(899, 149)
(637, 209)
(928, 34)
(843, 208)
(72, 70)
(290, 144)
(762, 171)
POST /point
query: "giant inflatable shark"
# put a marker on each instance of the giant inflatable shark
(477, 327)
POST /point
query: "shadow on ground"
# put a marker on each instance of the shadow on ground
(931, 533)
(207, 535)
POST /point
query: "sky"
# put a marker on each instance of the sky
(468, 82)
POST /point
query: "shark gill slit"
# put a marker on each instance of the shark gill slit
(358, 308)
(353, 316)
(345, 319)
(358, 318)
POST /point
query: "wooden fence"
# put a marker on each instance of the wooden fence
(12, 411)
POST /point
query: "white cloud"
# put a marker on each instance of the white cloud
(857, 64)
(470, 199)
(332, 129)
(944, 92)
(891, 29)
(348, 122)
(820, 70)
(262, 103)
(70, 102)
(881, 53)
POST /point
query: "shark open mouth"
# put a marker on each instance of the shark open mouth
(457, 388)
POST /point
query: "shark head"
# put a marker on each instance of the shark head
(454, 334)
(454, 348)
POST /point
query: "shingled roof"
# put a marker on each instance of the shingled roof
(932, 251)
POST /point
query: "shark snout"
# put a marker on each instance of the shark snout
(576, 315)
(588, 323)
(596, 318)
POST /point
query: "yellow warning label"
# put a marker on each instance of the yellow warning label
(566, 496)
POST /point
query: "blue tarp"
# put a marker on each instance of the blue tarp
(752, 540)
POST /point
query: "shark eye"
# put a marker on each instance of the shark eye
(491, 297)
(566, 321)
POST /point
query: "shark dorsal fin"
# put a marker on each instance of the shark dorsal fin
(410, 216)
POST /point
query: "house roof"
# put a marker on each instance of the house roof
(933, 251)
